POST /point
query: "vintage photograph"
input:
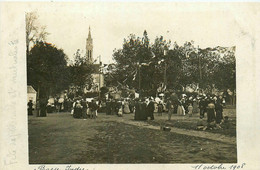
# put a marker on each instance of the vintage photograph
(130, 83)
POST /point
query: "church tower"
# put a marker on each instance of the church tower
(89, 47)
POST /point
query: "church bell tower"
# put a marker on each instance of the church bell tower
(89, 47)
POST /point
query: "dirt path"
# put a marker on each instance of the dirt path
(201, 134)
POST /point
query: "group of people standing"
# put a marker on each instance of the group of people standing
(83, 109)
(211, 105)
(119, 107)
(144, 108)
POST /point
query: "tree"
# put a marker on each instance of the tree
(145, 66)
(47, 69)
(34, 32)
(133, 67)
(80, 72)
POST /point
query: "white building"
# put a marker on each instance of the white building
(31, 95)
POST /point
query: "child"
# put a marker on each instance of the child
(190, 108)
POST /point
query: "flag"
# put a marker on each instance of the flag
(153, 55)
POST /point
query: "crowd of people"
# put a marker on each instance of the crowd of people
(143, 108)
(211, 105)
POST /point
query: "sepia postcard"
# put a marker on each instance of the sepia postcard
(92, 85)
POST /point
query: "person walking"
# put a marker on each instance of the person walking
(137, 110)
(113, 107)
(190, 109)
(143, 111)
(180, 110)
(93, 108)
(84, 108)
(30, 107)
(77, 110)
(170, 108)
(195, 106)
(202, 104)
(211, 112)
(219, 111)
(150, 109)
(108, 107)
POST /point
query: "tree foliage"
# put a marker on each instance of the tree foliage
(143, 65)
(80, 72)
(47, 69)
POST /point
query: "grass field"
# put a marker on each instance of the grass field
(61, 139)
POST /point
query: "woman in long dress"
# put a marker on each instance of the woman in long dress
(126, 107)
(77, 110)
(180, 110)
(143, 112)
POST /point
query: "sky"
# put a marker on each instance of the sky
(207, 24)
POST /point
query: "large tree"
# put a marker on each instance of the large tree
(145, 66)
(47, 69)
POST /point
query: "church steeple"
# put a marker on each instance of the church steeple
(89, 33)
(89, 47)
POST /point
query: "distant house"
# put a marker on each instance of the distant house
(98, 78)
(31, 95)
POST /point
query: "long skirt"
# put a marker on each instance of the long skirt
(126, 108)
(180, 110)
(219, 116)
(195, 108)
(77, 113)
(211, 115)
(137, 114)
(30, 111)
(84, 113)
(160, 108)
